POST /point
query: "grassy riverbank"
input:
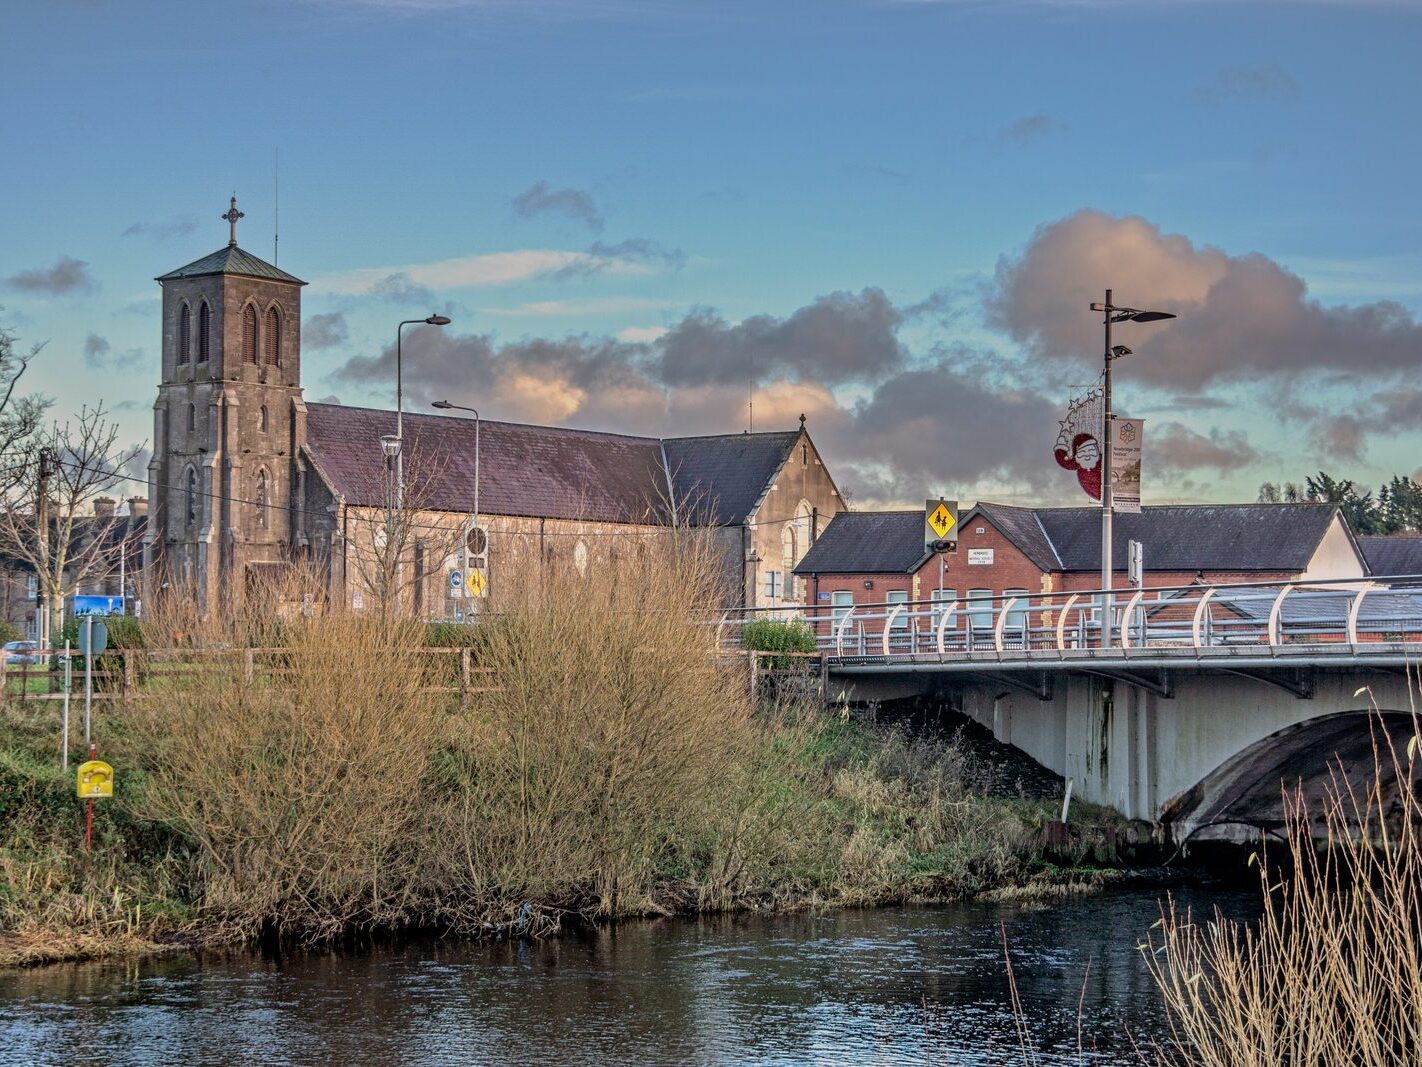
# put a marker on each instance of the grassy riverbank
(616, 769)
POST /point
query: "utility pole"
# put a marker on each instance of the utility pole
(42, 547)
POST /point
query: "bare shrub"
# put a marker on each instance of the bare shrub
(1332, 972)
(613, 729)
(301, 777)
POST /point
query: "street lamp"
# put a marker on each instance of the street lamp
(445, 405)
(432, 320)
(1112, 314)
(390, 449)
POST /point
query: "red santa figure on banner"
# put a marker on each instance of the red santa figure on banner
(1078, 445)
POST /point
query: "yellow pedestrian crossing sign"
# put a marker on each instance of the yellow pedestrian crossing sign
(941, 520)
(476, 583)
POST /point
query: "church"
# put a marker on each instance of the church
(249, 481)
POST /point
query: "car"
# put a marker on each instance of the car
(22, 654)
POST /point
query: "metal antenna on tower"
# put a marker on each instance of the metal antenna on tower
(276, 203)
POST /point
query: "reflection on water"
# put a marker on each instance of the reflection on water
(898, 985)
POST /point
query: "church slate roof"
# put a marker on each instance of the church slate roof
(540, 471)
(868, 542)
(1395, 555)
(231, 260)
(719, 480)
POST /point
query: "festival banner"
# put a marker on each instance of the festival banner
(1078, 447)
(1126, 437)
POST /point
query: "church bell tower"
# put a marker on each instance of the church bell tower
(228, 424)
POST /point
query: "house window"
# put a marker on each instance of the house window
(1017, 617)
(262, 419)
(939, 598)
(192, 497)
(271, 337)
(841, 600)
(185, 334)
(204, 332)
(774, 585)
(261, 500)
(249, 334)
(898, 596)
(32, 586)
(979, 609)
(789, 545)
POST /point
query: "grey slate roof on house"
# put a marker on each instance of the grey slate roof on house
(1189, 537)
(231, 260)
(542, 471)
(868, 542)
(1394, 555)
(718, 480)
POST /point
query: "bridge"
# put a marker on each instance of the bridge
(1204, 701)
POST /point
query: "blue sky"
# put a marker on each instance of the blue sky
(888, 214)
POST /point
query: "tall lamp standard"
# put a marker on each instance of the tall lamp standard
(1112, 314)
(445, 405)
(432, 320)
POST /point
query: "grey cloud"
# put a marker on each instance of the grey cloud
(324, 331)
(1399, 409)
(1030, 127)
(401, 288)
(837, 338)
(542, 199)
(1344, 437)
(1175, 447)
(602, 257)
(100, 355)
(1240, 83)
(178, 226)
(67, 275)
(1241, 317)
(136, 466)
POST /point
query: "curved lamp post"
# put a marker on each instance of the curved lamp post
(432, 320)
(1111, 313)
(445, 405)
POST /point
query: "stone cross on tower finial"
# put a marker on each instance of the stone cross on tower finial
(232, 216)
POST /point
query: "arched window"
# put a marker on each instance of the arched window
(261, 500)
(204, 332)
(271, 337)
(789, 544)
(192, 497)
(192, 418)
(185, 334)
(262, 419)
(249, 334)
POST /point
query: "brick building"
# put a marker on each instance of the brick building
(882, 557)
(247, 478)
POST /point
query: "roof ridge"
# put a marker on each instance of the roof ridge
(490, 422)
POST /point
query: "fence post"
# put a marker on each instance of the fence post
(824, 678)
(751, 655)
(249, 672)
(464, 658)
(126, 658)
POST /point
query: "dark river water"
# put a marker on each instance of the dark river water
(897, 985)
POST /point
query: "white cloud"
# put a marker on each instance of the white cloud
(597, 306)
(493, 268)
(641, 334)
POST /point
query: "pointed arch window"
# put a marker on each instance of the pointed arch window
(262, 419)
(192, 497)
(249, 334)
(185, 334)
(204, 332)
(271, 337)
(261, 500)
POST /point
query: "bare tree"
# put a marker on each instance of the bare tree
(392, 551)
(48, 521)
(20, 416)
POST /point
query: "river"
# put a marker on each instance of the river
(910, 985)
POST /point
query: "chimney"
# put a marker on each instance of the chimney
(137, 506)
(104, 507)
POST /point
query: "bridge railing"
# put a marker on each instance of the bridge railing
(1340, 614)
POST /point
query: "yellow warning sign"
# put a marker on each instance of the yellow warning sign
(941, 519)
(476, 583)
(95, 780)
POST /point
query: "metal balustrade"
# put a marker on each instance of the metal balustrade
(1272, 619)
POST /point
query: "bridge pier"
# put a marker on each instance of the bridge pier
(1191, 749)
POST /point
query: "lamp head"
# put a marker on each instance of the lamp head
(444, 405)
(1120, 350)
(390, 445)
(438, 320)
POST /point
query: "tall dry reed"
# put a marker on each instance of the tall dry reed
(1332, 971)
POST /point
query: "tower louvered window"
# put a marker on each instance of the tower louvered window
(271, 338)
(204, 332)
(262, 500)
(249, 334)
(185, 334)
(192, 497)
